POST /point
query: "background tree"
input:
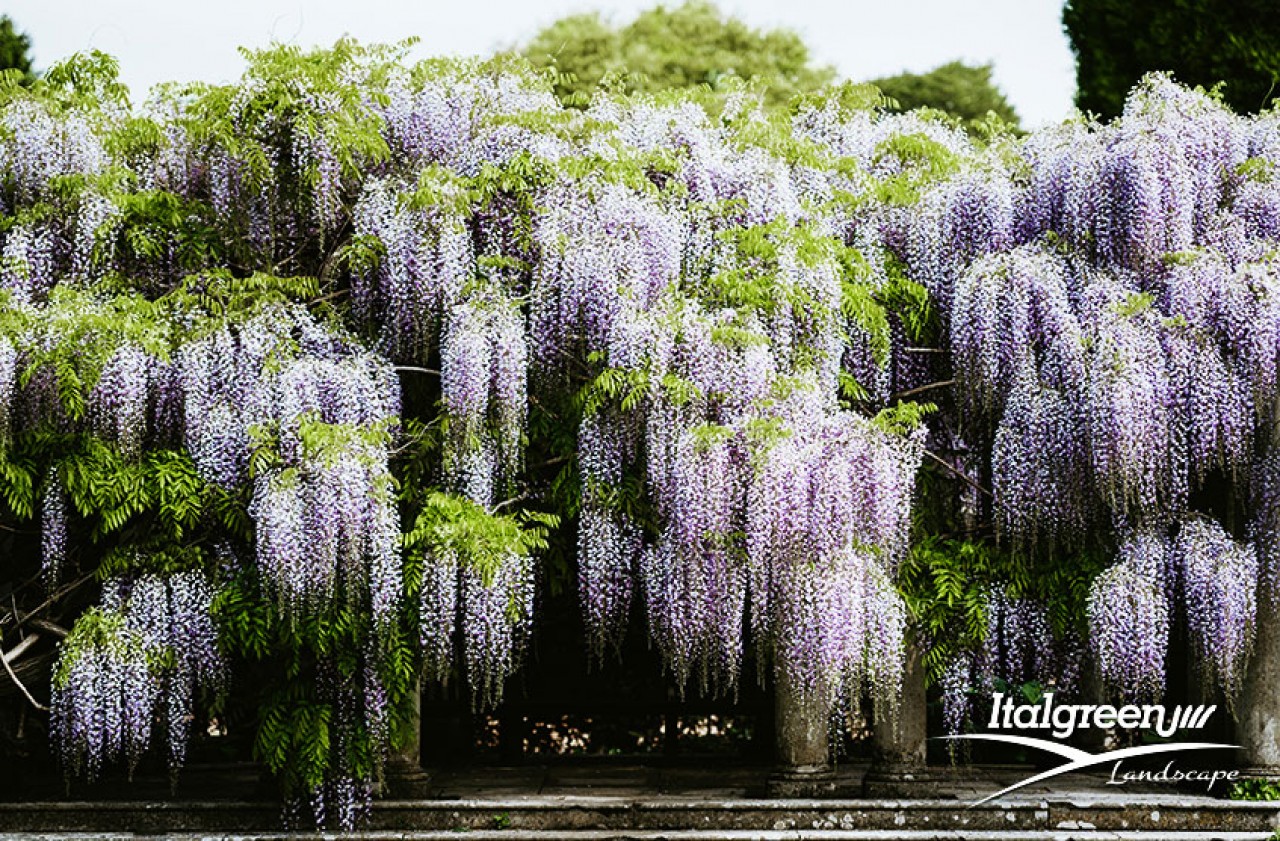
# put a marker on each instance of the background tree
(682, 47)
(961, 89)
(15, 48)
(1202, 42)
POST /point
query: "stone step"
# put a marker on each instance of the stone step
(633, 817)
(676, 835)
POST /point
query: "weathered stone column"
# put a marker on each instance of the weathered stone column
(803, 728)
(898, 763)
(403, 777)
(1258, 727)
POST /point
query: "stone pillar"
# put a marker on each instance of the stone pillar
(403, 778)
(898, 763)
(803, 729)
(1258, 727)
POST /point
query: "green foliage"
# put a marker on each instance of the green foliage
(922, 161)
(623, 387)
(693, 46)
(293, 739)
(902, 418)
(298, 715)
(87, 82)
(945, 582)
(1256, 788)
(155, 225)
(95, 630)
(311, 92)
(1202, 42)
(962, 90)
(217, 294)
(111, 491)
(18, 485)
(453, 526)
(87, 79)
(15, 50)
(847, 98)
(146, 513)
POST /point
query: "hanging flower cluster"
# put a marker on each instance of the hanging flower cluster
(53, 528)
(483, 362)
(792, 530)
(476, 591)
(1130, 614)
(491, 610)
(105, 693)
(133, 665)
(1018, 647)
(8, 390)
(423, 260)
(1215, 572)
(610, 542)
(173, 616)
(315, 411)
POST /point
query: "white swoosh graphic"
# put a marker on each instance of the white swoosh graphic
(1079, 759)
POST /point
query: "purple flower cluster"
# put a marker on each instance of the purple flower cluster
(965, 218)
(104, 696)
(483, 362)
(427, 257)
(173, 616)
(693, 578)
(54, 511)
(134, 664)
(119, 404)
(9, 361)
(608, 254)
(801, 530)
(609, 542)
(40, 144)
(1040, 466)
(496, 612)
(956, 688)
(28, 262)
(1218, 578)
(1130, 616)
(1018, 645)
(485, 612)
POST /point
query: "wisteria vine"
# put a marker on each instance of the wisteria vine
(382, 333)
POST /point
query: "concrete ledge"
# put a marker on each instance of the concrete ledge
(689, 835)
(668, 816)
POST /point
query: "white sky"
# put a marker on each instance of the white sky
(182, 40)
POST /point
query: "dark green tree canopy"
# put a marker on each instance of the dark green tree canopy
(1202, 42)
(961, 89)
(15, 48)
(682, 47)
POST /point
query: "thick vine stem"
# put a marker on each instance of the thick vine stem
(6, 657)
(958, 474)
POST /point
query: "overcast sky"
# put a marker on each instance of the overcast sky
(179, 40)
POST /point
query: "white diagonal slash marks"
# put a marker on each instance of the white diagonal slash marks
(1079, 760)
